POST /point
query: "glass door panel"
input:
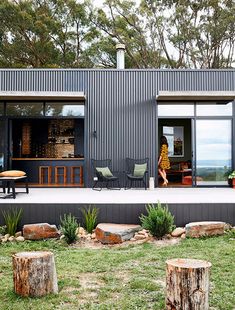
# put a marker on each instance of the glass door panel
(2, 140)
(213, 152)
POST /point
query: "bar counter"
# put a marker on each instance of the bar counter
(51, 171)
(41, 158)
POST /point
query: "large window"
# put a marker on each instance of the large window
(214, 154)
(24, 109)
(62, 109)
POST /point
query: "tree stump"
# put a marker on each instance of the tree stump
(34, 274)
(187, 284)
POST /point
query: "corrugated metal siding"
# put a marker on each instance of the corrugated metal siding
(123, 213)
(120, 104)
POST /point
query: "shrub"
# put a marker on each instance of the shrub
(68, 228)
(159, 221)
(90, 218)
(12, 219)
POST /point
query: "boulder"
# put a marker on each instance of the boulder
(11, 238)
(40, 231)
(109, 233)
(201, 229)
(178, 231)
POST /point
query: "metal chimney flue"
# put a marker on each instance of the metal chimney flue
(120, 48)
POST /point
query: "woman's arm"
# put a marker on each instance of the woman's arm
(159, 160)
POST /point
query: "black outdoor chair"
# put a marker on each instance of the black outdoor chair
(136, 170)
(103, 175)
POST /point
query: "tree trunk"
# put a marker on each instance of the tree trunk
(187, 284)
(34, 274)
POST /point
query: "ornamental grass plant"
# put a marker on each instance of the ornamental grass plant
(90, 216)
(69, 227)
(159, 221)
(12, 219)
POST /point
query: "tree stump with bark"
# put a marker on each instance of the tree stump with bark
(187, 284)
(34, 274)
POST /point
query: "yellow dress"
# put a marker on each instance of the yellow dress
(165, 163)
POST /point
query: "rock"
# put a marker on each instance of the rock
(11, 238)
(81, 231)
(201, 229)
(142, 232)
(4, 240)
(62, 237)
(183, 236)
(19, 239)
(7, 236)
(93, 236)
(178, 231)
(132, 239)
(40, 231)
(139, 237)
(168, 236)
(18, 234)
(227, 226)
(109, 233)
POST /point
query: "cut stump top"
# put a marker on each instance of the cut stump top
(188, 263)
(33, 254)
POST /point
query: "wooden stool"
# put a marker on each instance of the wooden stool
(43, 172)
(60, 171)
(77, 171)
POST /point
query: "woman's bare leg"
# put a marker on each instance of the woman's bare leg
(163, 175)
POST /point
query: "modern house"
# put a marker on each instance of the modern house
(54, 121)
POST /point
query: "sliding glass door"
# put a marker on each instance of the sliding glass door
(2, 144)
(213, 151)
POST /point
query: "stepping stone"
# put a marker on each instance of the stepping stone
(40, 231)
(109, 233)
(201, 229)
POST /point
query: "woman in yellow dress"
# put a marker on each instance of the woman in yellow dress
(163, 161)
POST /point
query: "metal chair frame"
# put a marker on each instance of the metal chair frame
(130, 165)
(100, 178)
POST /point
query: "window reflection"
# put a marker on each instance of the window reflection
(24, 109)
(175, 109)
(213, 155)
(58, 109)
(208, 109)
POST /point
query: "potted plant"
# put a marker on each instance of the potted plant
(231, 178)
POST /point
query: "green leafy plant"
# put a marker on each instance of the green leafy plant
(90, 218)
(232, 175)
(68, 227)
(12, 219)
(159, 221)
(3, 230)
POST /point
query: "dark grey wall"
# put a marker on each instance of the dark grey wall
(120, 104)
(123, 213)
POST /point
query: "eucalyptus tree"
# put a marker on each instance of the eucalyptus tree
(44, 33)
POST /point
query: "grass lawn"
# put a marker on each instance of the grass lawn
(130, 277)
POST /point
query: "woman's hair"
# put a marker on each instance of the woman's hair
(163, 140)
